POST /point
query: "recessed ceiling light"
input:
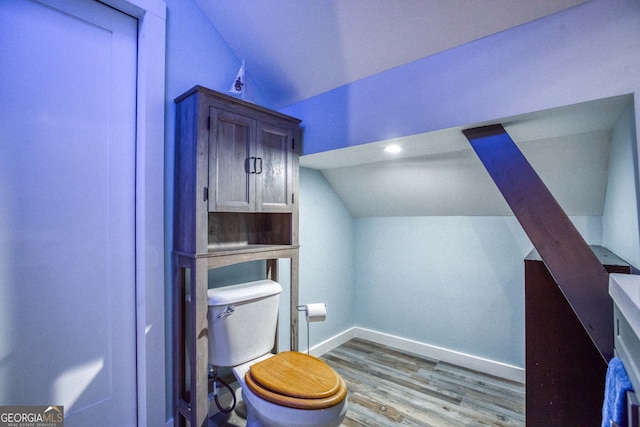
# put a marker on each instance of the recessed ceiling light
(393, 148)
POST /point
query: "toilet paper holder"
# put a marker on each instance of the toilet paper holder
(314, 313)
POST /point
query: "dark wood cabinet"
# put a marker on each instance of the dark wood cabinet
(565, 372)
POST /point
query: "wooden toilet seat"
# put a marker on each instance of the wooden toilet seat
(296, 380)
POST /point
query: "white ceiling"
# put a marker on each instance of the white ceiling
(297, 49)
(438, 173)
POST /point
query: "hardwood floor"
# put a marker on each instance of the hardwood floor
(390, 387)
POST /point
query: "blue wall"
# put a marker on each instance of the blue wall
(620, 216)
(452, 282)
(327, 246)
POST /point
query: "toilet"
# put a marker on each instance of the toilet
(289, 389)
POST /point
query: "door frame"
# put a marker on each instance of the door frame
(149, 205)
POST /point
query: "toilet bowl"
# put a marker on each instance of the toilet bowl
(288, 389)
(262, 412)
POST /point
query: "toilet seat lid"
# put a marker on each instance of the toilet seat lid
(296, 380)
(297, 375)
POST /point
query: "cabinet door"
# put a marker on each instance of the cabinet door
(274, 180)
(231, 165)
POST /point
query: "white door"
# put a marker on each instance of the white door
(67, 209)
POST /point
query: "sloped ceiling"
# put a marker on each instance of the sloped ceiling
(296, 49)
(438, 173)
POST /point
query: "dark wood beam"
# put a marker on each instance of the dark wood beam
(580, 276)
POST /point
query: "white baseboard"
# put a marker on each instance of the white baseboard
(487, 366)
(333, 342)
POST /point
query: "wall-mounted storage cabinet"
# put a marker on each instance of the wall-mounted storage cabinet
(233, 156)
(236, 180)
(251, 162)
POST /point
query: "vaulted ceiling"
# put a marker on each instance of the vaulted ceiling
(294, 50)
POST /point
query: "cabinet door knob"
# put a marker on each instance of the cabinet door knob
(249, 165)
(259, 158)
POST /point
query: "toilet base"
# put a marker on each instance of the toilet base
(330, 417)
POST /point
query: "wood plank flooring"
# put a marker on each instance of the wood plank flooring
(390, 387)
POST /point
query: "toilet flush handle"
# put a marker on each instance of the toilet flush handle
(230, 309)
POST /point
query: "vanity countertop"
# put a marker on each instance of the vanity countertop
(625, 291)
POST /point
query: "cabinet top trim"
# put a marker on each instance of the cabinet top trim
(228, 98)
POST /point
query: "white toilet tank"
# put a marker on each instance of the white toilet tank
(242, 321)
